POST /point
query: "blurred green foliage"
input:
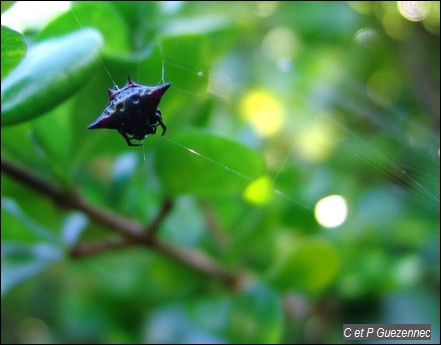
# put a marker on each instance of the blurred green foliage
(13, 50)
(313, 98)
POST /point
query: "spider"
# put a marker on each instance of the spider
(133, 111)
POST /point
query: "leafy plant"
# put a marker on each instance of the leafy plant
(208, 234)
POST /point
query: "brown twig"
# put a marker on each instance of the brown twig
(153, 227)
(88, 249)
(133, 233)
(213, 225)
(126, 227)
(201, 263)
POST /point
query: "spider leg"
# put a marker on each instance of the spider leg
(161, 123)
(126, 137)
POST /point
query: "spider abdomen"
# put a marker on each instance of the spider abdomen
(133, 110)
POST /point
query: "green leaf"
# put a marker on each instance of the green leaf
(13, 49)
(6, 5)
(19, 219)
(54, 135)
(176, 327)
(180, 54)
(309, 266)
(98, 15)
(206, 164)
(198, 25)
(17, 143)
(50, 73)
(23, 261)
(73, 226)
(253, 316)
(256, 317)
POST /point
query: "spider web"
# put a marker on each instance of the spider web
(363, 123)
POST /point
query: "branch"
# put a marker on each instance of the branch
(153, 227)
(148, 237)
(84, 250)
(194, 259)
(200, 262)
(133, 233)
(213, 225)
(124, 226)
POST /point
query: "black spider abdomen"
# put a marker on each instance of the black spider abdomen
(133, 110)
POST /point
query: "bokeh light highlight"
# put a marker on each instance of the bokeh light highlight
(259, 192)
(263, 112)
(331, 211)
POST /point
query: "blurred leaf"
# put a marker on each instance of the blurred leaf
(186, 215)
(51, 72)
(195, 26)
(74, 225)
(6, 5)
(17, 142)
(53, 134)
(256, 317)
(309, 265)
(11, 207)
(13, 49)
(205, 164)
(80, 313)
(21, 262)
(99, 16)
(182, 54)
(122, 175)
(252, 317)
(172, 325)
